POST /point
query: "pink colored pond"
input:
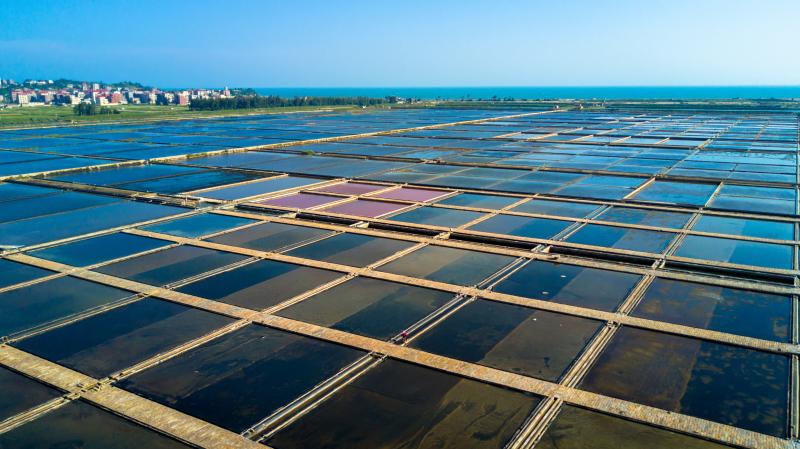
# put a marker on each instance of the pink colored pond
(366, 208)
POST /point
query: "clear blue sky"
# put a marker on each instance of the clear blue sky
(404, 42)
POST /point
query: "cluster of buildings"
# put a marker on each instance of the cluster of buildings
(49, 92)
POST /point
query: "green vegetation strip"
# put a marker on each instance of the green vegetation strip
(12, 117)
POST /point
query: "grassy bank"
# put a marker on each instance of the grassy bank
(61, 115)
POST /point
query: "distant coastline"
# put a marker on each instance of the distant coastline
(548, 93)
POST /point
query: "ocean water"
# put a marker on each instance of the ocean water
(548, 93)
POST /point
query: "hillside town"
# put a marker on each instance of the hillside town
(34, 92)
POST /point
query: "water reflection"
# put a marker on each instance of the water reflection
(351, 249)
(14, 273)
(742, 312)
(260, 284)
(646, 217)
(677, 193)
(198, 225)
(722, 383)
(452, 265)
(412, 194)
(274, 184)
(570, 284)
(170, 265)
(513, 338)
(750, 227)
(119, 338)
(437, 216)
(19, 393)
(622, 238)
(236, 380)
(760, 254)
(577, 428)
(370, 307)
(99, 249)
(541, 228)
(300, 200)
(559, 208)
(269, 236)
(399, 405)
(54, 227)
(80, 425)
(479, 200)
(350, 188)
(366, 208)
(41, 303)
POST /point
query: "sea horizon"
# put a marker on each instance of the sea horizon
(548, 92)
